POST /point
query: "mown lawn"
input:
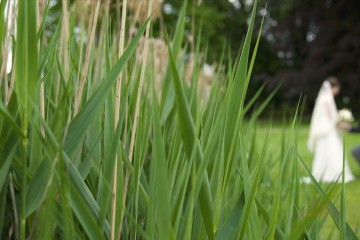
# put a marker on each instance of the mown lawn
(352, 189)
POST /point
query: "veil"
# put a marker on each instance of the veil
(324, 116)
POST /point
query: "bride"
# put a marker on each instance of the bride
(325, 139)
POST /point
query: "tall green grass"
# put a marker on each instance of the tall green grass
(184, 168)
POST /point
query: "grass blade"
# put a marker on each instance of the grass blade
(190, 141)
(177, 41)
(252, 196)
(230, 227)
(37, 186)
(26, 72)
(7, 155)
(26, 57)
(159, 183)
(85, 217)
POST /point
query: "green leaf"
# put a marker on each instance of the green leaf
(250, 200)
(190, 141)
(37, 186)
(159, 181)
(26, 57)
(44, 57)
(88, 162)
(9, 119)
(86, 218)
(253, 99)
(237, 89)
(231, 226)
(166, 99)
(7, 156)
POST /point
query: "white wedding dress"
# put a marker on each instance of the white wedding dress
(325, 140)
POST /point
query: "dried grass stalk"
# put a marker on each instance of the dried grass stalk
(139, 9)
(85, 69)
(137, 112)
(117, 113)
(6, 54)
(159, 54)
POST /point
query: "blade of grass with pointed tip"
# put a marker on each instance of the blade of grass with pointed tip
(177, 41)
(250, 213)
(189, 137)
(293, 198)
(263, 105)
(253, 99)
(237, 88)
(278, 187)
(251, 65)
(250, 200)
(85, 217)
(234, 112)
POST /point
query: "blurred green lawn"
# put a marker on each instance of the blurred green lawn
(352, 189)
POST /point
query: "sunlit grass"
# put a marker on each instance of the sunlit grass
(352, 189)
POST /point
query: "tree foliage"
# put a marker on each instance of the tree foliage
(221, 22)
(313, 40)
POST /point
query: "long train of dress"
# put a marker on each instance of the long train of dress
(328, 156)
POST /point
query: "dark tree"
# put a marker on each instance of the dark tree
(313, 40)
